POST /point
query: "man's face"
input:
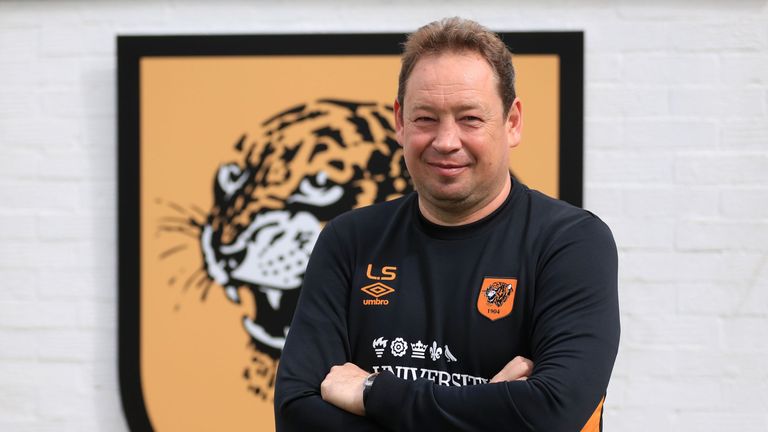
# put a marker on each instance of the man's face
(454, 133)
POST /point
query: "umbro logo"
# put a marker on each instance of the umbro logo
(379, 289)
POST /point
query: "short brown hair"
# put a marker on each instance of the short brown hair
(456, 35)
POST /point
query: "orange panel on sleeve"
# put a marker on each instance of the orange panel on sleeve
(593, 424)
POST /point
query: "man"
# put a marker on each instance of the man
(421, 313)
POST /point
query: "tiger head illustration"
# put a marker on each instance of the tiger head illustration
(305, 166)
(497, 293)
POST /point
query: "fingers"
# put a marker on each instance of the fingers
(338, 373)
(327, 385)
(525, 370)
(519, 369)
(343, 387)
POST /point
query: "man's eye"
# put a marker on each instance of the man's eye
(424, 119)
(472, 119)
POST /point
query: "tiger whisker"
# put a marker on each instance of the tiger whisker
(193, 219)
(191, 278)
(206, 289)
(168, 252)
(180, 230)
(184, 221)
(178, 208)
(202, 280)
(199, 211)
(178, 226)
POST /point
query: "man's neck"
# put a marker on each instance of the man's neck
(446, 217)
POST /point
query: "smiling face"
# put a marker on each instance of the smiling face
(456, 136)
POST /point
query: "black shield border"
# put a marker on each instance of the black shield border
(569, 46)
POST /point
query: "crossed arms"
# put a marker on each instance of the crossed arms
(573, 346)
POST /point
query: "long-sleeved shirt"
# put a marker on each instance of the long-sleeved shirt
(440, 310)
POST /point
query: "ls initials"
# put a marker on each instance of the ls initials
(388, 273)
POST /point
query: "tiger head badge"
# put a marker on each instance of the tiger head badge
(496, 297)
(308, 164)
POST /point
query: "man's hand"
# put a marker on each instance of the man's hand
(343, 387)
(519, 369)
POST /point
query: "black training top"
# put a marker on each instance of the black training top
(440, 310)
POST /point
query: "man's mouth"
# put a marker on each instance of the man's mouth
(447, 169)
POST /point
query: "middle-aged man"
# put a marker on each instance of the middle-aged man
(421, 313)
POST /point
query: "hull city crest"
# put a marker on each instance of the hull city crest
(497, 297)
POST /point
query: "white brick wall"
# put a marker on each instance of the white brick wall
(676, 162)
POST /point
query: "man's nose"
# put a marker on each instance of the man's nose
(447, 139)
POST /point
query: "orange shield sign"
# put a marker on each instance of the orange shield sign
(234, 152)
(496, 297)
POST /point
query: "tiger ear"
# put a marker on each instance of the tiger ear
(398, 122)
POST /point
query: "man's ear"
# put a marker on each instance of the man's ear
(398, 122)
(514, 123)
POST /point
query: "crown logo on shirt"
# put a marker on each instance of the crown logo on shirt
(418, 349)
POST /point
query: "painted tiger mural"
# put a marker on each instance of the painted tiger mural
(307, 164)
